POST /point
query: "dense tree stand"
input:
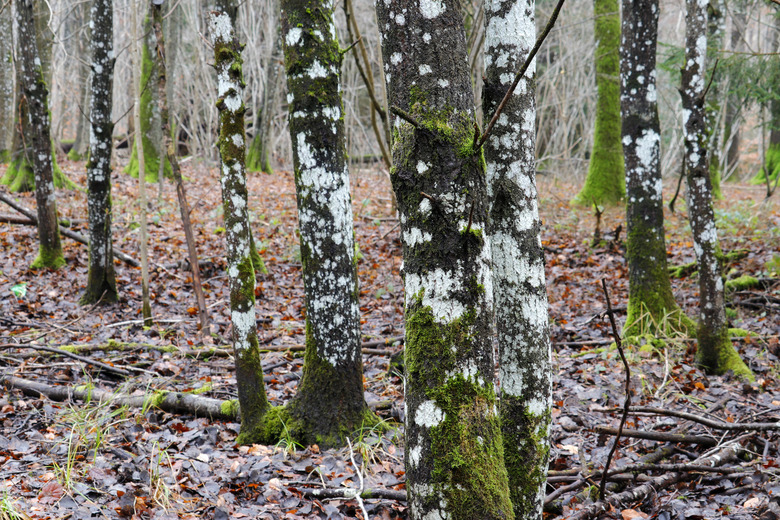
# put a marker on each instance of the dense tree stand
(651, 305)
(518, 259)
(715, 352)
(605, 183)
(454, 454)
(101, 279)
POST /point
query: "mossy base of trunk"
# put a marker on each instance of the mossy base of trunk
(642, 320)
(20, 178)
(48, 259)
(99, 289)
(257, 158)
(717, 355)
(5, 156)
(73, 155)
(772, 166)
(151, 164)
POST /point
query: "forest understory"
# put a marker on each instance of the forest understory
(90, 459)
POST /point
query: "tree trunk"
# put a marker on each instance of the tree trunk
(329, 404)
(733, 109)
(651, 305)
(454, 452)
(716, 29)
(258, 158)
(101, 280)
(518, 259)
(771, 166)
(6, 87)
(605, 183)
(150, 129)
(84, 30)
(241, 274)
(36, 92)
(715, 353)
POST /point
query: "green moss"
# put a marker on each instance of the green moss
(742, 283)
(74, 155)
(5, 156)
(229, 408)
(605, 183)
(47, 259)
(526, 453)
(772, 166)
(20, 176)
(740, 333)
(717, 355)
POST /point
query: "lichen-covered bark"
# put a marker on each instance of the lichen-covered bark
(518, 259)
(651, 305)
(715, 351)
(232, 148)
(605, 183)
(329, 403)
(6, 88)
(151, 129)
(169, 150)
(101, 279)
(36, 92)
(454, 453)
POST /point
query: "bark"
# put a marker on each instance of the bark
(81, 48)
(329, 405)
(716, 29)
(258, 156)
(36, 92)
(6, 87)
(150, 127)
(454, 452)
(170, 155)
(518, 259)
(733, 110)
(101, 280)
(241, 274)
(605, 183)
(651, 305)
(715, 352)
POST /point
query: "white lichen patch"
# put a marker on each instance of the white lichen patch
(293, 36)
(244, 325)
(424, 69)
(428, 415)
(415, 236)
(431, 8)
(437, 288)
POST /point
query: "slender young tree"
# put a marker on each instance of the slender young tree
(101, 279)
(733, 107)
(37, 93)
(605, 183)
(79, 46)
(454, 451)
(232, 150)
(715, 352)
(258, 157)
(716, 31)
(329, 404)
(651, 304)
(518, 258)
(6, 87)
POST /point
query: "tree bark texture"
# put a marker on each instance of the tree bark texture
(101, 279)
(715, 351)
(329, 404)
(6, 87)
(36, 93)
(241, 274)
(651, 304)
(151, 126)
(605, 183)
(170, 154)
(454, 452)
(518, 258)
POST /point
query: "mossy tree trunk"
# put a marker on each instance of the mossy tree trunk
(605, 183)
(151, 126)
(101, 279)
(232, 148)
(716, 30)
(6, 87)
(771, 166)
(651, 304)
(170, 154)
(329, 404)
(514, 230)
(81, 23)
(715, 352)
(36, 92)
(20, 175)
(258, 157)
(454, 452)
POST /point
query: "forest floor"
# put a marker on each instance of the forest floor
(91, 460)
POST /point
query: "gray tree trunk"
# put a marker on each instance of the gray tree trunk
(514, 229)
(82, 49)
(36, 93)
(733, 108)
(716, 30)
(6, 87)
(651, 304)
(715, 352)
(232, 147)
(454, 452)
(101, 279)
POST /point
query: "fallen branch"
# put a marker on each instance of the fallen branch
(66, 232)
(349, 493)
(718, 425)
(94, 362)
(659, 436)
(725, 454)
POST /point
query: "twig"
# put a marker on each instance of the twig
(471, 215)
(100, 364)
(389, 494)
(627, 403)
(712, 78)
(344, 51)
(360, 478)
(659, 436)
(679, 184)
(719, 425)
(520, 74)
(406, 116)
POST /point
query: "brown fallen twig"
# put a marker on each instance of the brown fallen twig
(718, 425)
(659, 436)
(105, 366)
